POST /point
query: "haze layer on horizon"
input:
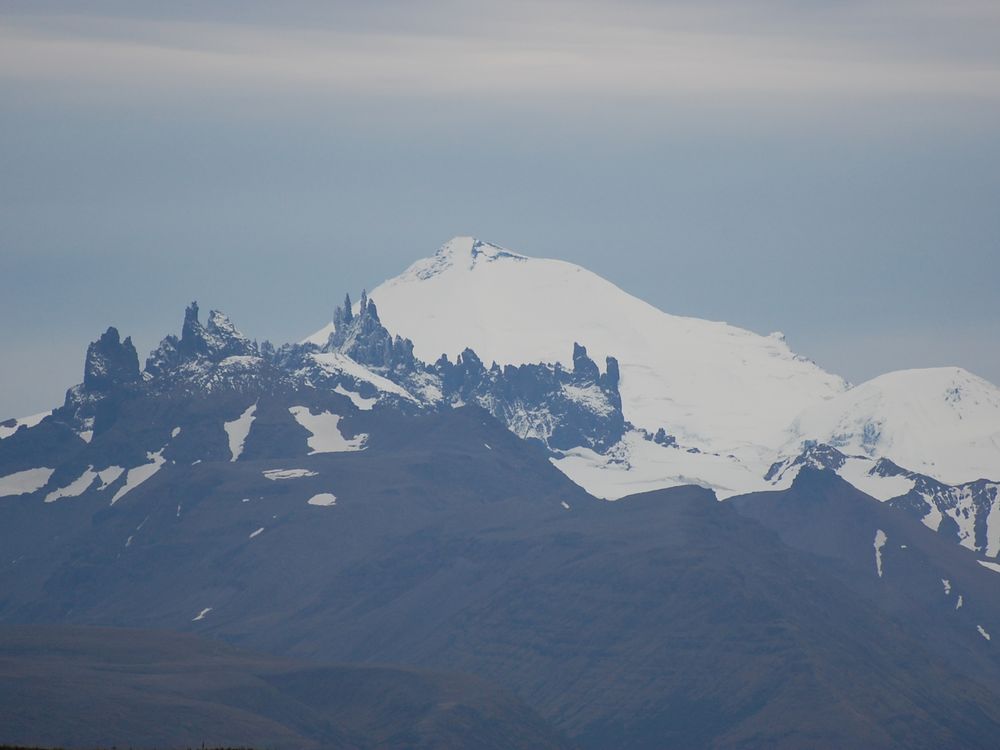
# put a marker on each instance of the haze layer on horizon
(830, 170)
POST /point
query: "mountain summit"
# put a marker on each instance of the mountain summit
(715, 386)
(726, 402)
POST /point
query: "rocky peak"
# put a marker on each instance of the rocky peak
(215, 341)
(110, 362)
(460, 252)
(225, 340)
(363, 338)
(191, 331)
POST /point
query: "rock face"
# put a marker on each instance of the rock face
(560, 408)
(966, 513)
(110, 362)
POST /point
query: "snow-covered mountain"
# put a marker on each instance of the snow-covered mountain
(714, 386)
(721, 397)
(725, 402)
(623, 397)
(943, 422)
(360, 495)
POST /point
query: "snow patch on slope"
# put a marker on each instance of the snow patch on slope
(10, 426)
(276, 475)
(24, 482)
(109, 475)
(325, 435)
(860, 473)
(140, 474)
(364, 404)
(880, 540)
(238, 430)
(335, 363)
(323, 499)
(75, 488)
(636, 465)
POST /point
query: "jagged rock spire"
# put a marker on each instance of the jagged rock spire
(363, 338)
(110, 362)
(192, 330)
(583, 366)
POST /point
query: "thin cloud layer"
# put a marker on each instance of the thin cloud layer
(768, 52)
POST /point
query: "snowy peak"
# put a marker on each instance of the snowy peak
(715, 386)
(943, 422)
(461, 253)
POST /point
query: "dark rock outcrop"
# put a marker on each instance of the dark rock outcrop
(110, 362)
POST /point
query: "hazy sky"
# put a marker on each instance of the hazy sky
(828, 169)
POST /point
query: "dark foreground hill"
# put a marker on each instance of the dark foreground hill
(666, 620)
(88, 687)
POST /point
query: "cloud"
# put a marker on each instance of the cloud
(749, 54)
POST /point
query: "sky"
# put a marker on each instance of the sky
(827, 169)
